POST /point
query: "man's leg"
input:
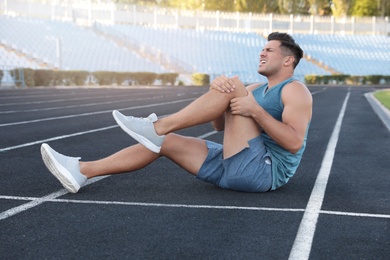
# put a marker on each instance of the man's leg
(187, 152)
(151, 131)
(210, 106)
(238, 129)
(128, 159)
(203, 110)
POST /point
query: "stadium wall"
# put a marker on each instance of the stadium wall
(87, 13)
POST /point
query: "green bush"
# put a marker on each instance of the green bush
(122, 77)
(44, 78)
(144, 78)
(347, 79)
(311, 79)
(200, 79)
(103, 77)
(61, 78)
(355, 80)
(386, 79)
(80, 77)
(374, 79)
(340, 79)
(168, 78)
(28, 75)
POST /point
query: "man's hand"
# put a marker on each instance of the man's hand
(223, 84)
(243, 105)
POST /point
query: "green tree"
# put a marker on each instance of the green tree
(314, 7)
(320, 7)
(257, 6)
(221, 5)
(270, 6)
(383, 7)
(293, 6)
(254, 6)
(340, 7)
(189, 4)
(364, 8)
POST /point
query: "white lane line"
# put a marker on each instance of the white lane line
(68, 97)
(53, 100)
(328, 212)
(319, 91)
(71, 135)
(6, 197)
(69, 106)
(77, 134)
(94, 113)
(354, 214)
(207, 134)
(304, 239)
(173, 205)
(59, 193)
(34, 203)
(56, 138)
(127, 100)
(38, 201)
(144, 204)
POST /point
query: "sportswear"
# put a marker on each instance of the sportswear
(284, 163)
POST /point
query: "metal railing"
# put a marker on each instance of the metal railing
(11, 77)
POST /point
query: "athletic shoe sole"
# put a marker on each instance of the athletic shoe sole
(141, 139)
(61, 173)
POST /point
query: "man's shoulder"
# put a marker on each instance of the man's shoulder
(295, 86)
(296, 83)
(296, 90)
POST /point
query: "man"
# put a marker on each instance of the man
(265, 130)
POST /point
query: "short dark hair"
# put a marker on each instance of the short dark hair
(288, 44)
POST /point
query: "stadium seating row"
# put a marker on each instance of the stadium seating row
(10, 59)
(80, 48)
(211, 52)
(350, 54)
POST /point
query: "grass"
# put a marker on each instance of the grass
(383, 97)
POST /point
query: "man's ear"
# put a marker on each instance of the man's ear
(288, 60)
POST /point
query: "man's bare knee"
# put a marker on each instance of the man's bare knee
(240, 89)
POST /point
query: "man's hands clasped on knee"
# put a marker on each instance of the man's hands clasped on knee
(238, 105)
(223, 84)
(243, 106)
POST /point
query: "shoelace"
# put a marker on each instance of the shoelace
(141, 119)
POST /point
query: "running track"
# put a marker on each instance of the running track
(337, 206)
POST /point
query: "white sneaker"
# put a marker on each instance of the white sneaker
(141, 129)
(66, 169)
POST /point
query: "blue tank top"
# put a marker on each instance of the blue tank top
(284, 163)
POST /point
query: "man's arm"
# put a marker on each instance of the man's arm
(224, 84)
(289, 133)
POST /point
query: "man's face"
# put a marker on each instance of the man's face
(271, 59)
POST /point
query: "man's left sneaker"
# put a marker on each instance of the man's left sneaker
(141, 129)
(66, 169)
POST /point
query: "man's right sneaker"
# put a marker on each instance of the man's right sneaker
(141, 129)
(66, 169)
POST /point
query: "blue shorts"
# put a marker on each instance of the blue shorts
(249, 170)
